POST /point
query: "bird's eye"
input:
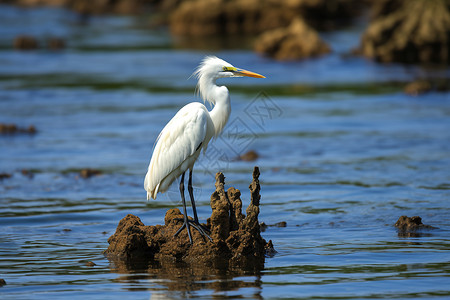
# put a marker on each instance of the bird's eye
(225, 68)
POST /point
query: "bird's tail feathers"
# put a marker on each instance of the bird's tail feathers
(152, 194)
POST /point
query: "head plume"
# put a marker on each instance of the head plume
(210, 69)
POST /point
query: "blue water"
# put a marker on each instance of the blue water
(343, 153)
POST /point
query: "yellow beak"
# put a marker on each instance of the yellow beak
(241, 72)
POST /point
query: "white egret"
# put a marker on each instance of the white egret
(180, 142)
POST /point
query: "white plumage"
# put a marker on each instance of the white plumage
(178, 147)
(180, 142)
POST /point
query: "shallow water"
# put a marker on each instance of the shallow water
(343, 153)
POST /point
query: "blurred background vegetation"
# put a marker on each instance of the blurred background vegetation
(407, 31)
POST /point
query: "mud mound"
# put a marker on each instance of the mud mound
(298, 41)
(405, 223)
(88, 173)
(26, 42)
(409, 31)
(236, 238)
(422, 86)
(417, 87)
(12, 129)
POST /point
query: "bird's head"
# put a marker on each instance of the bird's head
(214, 68)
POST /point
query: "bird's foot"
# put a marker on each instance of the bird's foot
(204, 232)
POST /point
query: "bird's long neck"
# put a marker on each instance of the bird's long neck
(220, 98)
(220, 113)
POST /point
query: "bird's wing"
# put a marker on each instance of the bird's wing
(177, 142)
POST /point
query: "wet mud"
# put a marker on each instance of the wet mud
(27, 173)
(56, 43)
(418, 87)
(88, 173)
(13, 129)
(249, 156)
(421, 86)
(279, 224)
(5, 176)
(25, 42)
(236, 238)
(90, 264)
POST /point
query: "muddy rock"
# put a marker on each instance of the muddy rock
(421, 86)
(236, 238)
(8, 128)
(11, 129)
(56, 43)
(88, 173)
(417, 87)
(27, 173)
(298, 41)
(90, 264)
(270, 250)
(409, 31)
(405, 223)
(278, 224)
(5, 176)
(249, 156)
(25, 42)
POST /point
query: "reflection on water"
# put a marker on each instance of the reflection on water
(177, 280)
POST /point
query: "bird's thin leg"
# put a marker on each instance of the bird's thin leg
(203, 230)
(186, 221)
(191, 195)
